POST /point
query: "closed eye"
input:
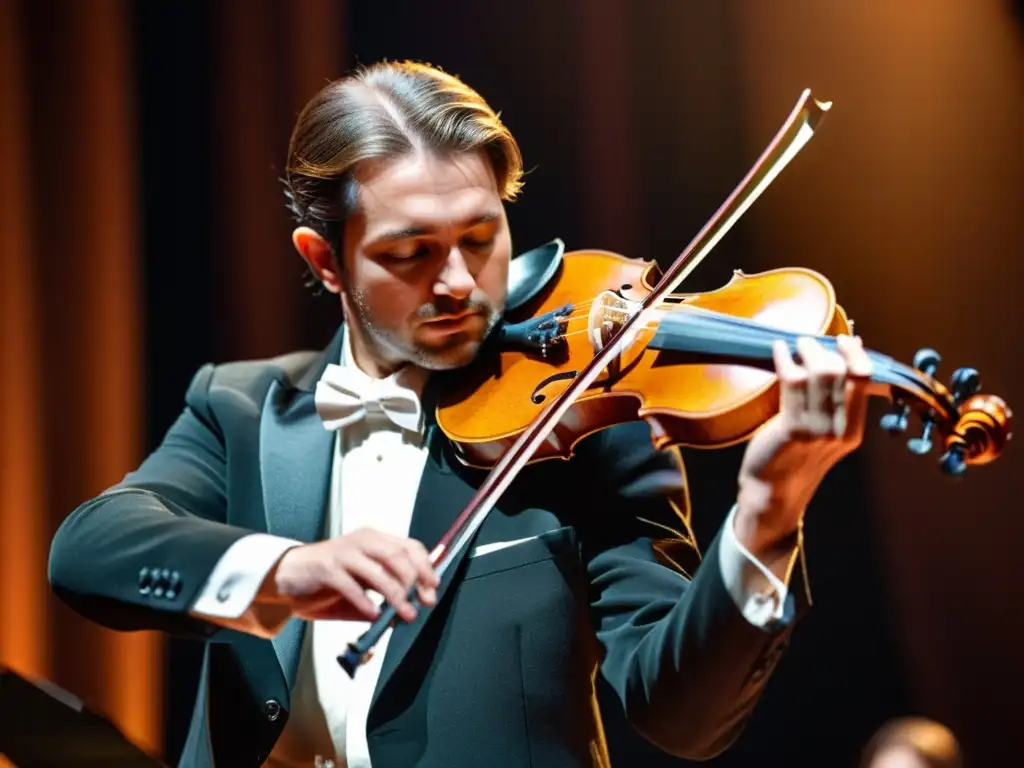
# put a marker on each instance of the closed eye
(471, 242)
(423, 250)
(418, 253)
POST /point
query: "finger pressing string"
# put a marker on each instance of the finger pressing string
(860, 370)
(839, 407)
(824, 369)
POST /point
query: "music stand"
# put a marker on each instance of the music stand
(42, 725)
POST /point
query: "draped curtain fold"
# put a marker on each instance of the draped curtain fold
(72, 401)
(74, 411)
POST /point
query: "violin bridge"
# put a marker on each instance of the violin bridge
(608, 314)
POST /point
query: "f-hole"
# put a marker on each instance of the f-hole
(538, 395)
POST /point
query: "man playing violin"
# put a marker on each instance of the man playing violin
(292, 495)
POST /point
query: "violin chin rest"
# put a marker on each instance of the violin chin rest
(529, 272)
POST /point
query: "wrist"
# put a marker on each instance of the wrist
(768, 519)
(274, 588)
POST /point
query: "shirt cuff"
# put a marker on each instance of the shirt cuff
(227, 598)
(758, 590)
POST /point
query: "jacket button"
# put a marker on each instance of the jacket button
(272, 709)
(144, 581)
(159, 582)
(173, 586)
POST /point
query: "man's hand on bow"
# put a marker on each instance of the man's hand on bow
(330, 579)
(823, 404)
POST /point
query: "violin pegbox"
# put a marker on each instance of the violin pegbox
(979, 434)
(927, 361)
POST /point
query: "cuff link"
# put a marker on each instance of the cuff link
(767, 601)
(224, 593)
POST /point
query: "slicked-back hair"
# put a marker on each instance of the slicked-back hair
(381, 111)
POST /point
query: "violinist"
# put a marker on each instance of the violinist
(293, 495)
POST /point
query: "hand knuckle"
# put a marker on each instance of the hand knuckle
(339, 558)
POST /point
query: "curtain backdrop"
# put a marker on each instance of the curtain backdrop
(79, 237)
(73, 384)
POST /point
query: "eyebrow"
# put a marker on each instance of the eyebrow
(407, 232)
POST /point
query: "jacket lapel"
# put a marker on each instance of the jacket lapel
(296, 456)
(295, 467)
(443, 494)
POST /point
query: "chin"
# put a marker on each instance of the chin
(454, 350)
(455, 355)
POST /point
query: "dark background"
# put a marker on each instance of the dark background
(145, 234)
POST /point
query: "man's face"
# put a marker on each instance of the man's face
(425, 260)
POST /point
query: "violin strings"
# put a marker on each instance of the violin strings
(586, 315)
(739, 324)
(587, 330)
(590, 302)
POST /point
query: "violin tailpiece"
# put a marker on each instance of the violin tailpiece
(541, 334)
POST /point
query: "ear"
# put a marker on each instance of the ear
(320, 257)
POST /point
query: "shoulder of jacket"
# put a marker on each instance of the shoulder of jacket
(249, 376)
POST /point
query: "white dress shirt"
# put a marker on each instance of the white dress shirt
(374, 481)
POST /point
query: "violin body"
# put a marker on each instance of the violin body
(699, 405)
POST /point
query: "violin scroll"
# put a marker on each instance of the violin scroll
(981, 434)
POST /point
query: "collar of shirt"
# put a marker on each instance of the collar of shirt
(409, 376)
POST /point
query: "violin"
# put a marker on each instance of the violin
(608, 340)
(699, 371)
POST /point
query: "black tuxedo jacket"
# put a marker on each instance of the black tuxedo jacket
(502, 671)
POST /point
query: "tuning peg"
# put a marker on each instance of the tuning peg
(963, 383)
(921, 445)
(927, 361)
(953, 461)
(896, 422)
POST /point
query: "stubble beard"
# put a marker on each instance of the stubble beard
(460, 352)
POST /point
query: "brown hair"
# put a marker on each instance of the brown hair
(933, 742)
(380, 111)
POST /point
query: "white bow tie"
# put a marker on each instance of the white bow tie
(344, 396)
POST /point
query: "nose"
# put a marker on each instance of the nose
(455, 279)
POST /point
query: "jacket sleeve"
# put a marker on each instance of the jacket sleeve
(686, 663)
(136, 556)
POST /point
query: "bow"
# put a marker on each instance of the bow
(345, 395)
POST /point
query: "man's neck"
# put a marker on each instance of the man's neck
(369, 358)
(371, 364)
